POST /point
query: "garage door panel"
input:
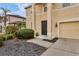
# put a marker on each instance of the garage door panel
(69, 30)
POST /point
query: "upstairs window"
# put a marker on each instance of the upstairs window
(45, 7)
(65, 4)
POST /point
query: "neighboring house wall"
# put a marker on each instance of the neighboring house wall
(11, 19)
(14, 19)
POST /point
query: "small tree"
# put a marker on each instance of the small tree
(5, 16)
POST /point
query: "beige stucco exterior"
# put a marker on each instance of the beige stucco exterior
(67, 13)
(55, 12)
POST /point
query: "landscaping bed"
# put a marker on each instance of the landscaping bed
(14, 42)
(21, 48)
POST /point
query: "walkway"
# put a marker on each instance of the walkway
(41, 42)
(57, 52)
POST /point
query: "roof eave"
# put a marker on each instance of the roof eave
(28, 7)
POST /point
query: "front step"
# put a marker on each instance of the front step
(52, 41)
(45, 37)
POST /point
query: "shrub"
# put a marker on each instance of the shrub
(25, 34)
(20, 24)
(2, 37)
(8, 37)
(1, 40)
(11, 29)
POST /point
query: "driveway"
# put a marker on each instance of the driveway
(63, 47)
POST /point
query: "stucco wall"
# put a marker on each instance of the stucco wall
(58, 13)
(63, 14)
(40, 16)
(14, 19)
(29, 18)
(39, 19)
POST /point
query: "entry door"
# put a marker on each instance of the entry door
(44, 27)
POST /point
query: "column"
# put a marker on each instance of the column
(33, 17)
(49, 20)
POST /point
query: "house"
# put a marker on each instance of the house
(48, 19)
(11, 20)
(56, 20)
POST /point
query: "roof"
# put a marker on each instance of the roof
(16, 16)
(28, 6)
(16, 22)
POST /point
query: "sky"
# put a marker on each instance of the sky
(15, 8)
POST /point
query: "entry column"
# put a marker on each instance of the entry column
(33, 17)
(49, 20)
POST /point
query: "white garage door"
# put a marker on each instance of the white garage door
(69, 30)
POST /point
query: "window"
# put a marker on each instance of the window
(45, 7)
(65, 4)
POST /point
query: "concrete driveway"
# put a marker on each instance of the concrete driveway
(63, 47)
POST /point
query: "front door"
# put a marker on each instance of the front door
(44, 27)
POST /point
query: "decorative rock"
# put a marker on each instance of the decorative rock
(21, 48)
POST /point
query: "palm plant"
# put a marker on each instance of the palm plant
(5, 16)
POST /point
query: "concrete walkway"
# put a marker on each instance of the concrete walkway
(57, 52)
(41, 42)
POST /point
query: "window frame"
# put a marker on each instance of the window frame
(45, 8)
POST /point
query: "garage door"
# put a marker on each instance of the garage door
(69, 30)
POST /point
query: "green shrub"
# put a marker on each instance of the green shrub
(20, 24)
(11, 29)
(25, 34)
(1, 41)
(2, 36)
(8, 37)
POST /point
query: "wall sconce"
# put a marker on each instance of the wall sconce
(56, 25)
(37, 34)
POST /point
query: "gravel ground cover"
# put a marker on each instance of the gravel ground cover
(21, 48)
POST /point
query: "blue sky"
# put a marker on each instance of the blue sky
(15, 8)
